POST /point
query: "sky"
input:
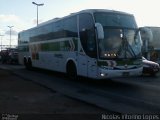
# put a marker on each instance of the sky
(22, 13)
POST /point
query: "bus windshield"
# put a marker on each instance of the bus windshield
(121, 36)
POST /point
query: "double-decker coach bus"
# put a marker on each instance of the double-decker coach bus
(93, 43)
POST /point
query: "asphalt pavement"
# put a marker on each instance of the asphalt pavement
(26, 99)
(133, 95)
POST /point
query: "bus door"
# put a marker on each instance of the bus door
(82, 63)
(87, 65)
(92, 68)
(87, 46)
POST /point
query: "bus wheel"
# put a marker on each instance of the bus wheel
(71, 71)
(25, 62)
(29, 64)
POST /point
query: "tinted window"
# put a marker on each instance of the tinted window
(23, 37)
(58, 26)
(70, 27)
(60, 29)
(114, 19)
(87, 34)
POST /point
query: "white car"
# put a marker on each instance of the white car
(150, 67)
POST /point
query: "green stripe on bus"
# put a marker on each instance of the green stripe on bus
(59, 46)
(52, 46)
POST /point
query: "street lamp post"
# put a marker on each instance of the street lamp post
(1, 41)
(10, 27)
(37, 9)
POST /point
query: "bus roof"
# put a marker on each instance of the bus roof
(82, 11)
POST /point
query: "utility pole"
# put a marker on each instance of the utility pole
(10, 27)
(37, 9)
(1, 41)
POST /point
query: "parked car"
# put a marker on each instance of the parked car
(9, 56)
(4, 56)
(150, 67)
(13, 57)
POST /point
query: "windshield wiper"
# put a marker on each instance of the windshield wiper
(127, 46)
(136, 32)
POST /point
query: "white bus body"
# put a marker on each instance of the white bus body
(94, 43)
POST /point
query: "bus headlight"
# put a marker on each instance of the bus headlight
(102, 74)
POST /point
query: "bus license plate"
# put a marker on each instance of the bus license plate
(125, 74)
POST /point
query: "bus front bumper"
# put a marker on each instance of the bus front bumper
(119, 73)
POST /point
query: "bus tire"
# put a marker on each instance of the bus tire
(25, 62)
(71, 70)
(29, 64)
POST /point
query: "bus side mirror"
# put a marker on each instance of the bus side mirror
(100, 32)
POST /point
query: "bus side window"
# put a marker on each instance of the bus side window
(87, 34)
